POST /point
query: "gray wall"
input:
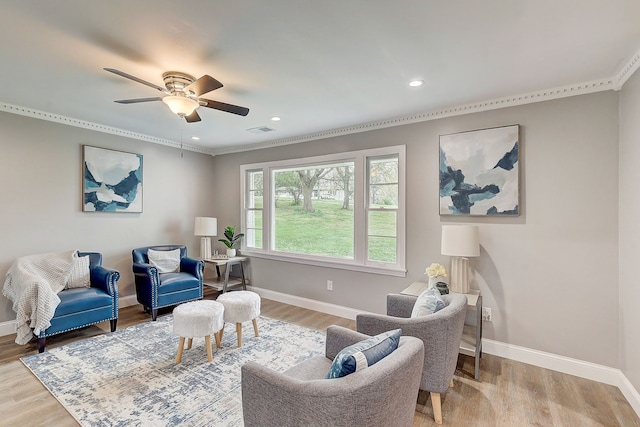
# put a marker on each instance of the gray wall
(40, 208)
(550, 275)
(630, 230)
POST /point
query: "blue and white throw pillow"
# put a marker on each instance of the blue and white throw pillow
(428, 302)
(364, 353)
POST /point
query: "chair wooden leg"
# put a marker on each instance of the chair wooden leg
(255, 326)
(41, 343)
(180, 349)
(239, 332)
(113, 322)
(451, 383)
(189, 343)
(218, 336)
(207, 342)
(437, 407)
(154, 314)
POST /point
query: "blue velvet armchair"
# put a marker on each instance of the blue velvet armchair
(80, 307)
(157, 290)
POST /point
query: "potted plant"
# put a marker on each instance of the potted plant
(231, 240)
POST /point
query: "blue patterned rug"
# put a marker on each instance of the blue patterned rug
(130, 378)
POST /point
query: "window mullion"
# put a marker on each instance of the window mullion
(359, 210)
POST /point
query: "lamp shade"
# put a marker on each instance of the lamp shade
(460, 240)
(206, 226)
(180, 105)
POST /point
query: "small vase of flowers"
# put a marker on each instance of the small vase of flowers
(437, 274)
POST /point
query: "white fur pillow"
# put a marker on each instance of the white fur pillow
(80, 275)
(165, 261)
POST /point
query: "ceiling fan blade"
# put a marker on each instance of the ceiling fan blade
(193, 117)
(136, 79)
(229, 108)
(133, 101)
(203, 85)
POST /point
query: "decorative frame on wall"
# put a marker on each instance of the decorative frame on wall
(111, 180)
(479, 172)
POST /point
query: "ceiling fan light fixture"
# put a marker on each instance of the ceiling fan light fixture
(180, 105)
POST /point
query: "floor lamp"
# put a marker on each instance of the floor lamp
(206, 227)
(460, 242)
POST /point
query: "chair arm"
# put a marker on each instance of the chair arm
(339, 338)
(193, 266)
(145, 275)
(105, 279)
(400, 305)
(144, 269)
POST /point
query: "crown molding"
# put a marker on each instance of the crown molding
(493, 104)
(42, 115)
(614, 83)
(627, 71)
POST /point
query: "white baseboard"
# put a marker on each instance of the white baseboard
(323, 307)
(566, 365)
(7, 328)
(127, 301)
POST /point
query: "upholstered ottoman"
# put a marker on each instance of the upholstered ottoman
(198, 319)
(241, 306)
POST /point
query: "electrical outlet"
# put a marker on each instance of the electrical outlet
(329, 285)
(486, 314)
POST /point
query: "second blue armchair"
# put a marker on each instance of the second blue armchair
(158, 290)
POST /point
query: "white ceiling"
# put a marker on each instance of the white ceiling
(321, 65)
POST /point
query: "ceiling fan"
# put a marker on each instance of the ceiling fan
(182, 94)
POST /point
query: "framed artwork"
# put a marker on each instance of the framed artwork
(479, 172)
(111, 180)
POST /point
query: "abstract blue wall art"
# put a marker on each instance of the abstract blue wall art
(112, 180)
(479, 172)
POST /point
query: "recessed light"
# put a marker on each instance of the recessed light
(416, 83)
(195, 138)
(275, 119)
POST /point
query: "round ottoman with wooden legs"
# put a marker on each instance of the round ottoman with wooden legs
(241, 306)
(198, 319)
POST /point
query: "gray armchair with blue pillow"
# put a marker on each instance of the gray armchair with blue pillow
(441, 333)
(179, 284)
(84, 306)
(382, 394)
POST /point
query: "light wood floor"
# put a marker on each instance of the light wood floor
(508, 393)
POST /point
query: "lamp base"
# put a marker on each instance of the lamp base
(459, 275)
(205, 247)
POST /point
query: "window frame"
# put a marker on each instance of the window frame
(360, 260)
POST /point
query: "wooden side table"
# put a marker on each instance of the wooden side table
(228, 263)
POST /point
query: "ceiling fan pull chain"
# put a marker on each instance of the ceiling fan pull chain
(181, 130)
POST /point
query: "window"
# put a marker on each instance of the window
(343, 210)
(253, 206)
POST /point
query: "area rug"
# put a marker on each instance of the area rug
(130, 378)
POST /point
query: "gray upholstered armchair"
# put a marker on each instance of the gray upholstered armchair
(383, 394)
(156, 290)
(440, 332)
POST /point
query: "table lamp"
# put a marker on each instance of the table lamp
(206, 227)
(460, 242)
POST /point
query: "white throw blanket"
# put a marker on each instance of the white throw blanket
(32, 284)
